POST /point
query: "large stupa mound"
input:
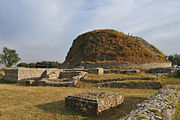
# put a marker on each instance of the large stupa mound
(112, 49)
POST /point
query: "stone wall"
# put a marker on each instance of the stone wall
(69, 74)
(167, 71)
(160, 106)
(11, 75)
(93, 103)
(110, 80)
(90, 70)
(72, 81)
(161, 70)
(118, 71)
(27, 73)
(95, 70)
(134, 84)
(57, 84)
(144, 66)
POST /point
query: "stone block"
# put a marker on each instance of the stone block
(96, 71)
(30, 82)
(19, 74)
(93, 103)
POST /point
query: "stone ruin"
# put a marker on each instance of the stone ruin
(63, 79)
(69, 77)
(43, 76)
(166, 71)
(160, 106)
(94, 103)
(133, 84)
(48, 76)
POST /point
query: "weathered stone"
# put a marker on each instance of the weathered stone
(30, 82)
(43, 76)
(95, 70)
(160, 106)
(94, 103)
(110, 80)
(70, 74)
(165, 71)
(119, 71)
(27, 73)
(133, 84)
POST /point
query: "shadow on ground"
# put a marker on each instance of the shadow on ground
(2, 81)
(115, 113)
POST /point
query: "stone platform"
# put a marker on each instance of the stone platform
(93, 103)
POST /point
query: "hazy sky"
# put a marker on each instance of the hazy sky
(44, 29)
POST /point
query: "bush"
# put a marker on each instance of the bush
(32, 65)
(175, 59)
(47, 64)
(23, 64)
(43, 64)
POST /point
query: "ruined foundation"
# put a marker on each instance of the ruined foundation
(93, 103)
(133, 84)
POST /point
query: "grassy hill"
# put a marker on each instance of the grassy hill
(110, 46)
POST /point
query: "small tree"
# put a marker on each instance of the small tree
(175, 59)
(9, 57)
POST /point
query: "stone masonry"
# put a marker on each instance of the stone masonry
(112, 80)
(167, 71)
(69, 74)
(160, 106)
(24, 74)
(27, 73)
(144, 66)
(133, 84)
(93, 103)
(71, 79)
(95, 70)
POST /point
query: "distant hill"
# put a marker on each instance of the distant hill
(111, 46)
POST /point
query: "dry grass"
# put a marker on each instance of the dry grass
(47, 103)
(169, 80)
(110, 46)
(177, 114)
(163, 80)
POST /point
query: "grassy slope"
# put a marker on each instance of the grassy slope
(169, 80)
(47, 103)
(163, 80)
(111, 46)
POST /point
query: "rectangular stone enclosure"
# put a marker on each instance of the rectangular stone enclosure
(93, 103)
(18, 74)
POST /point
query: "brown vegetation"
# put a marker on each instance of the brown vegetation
(110, 46)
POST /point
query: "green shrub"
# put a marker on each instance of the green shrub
(43, 64)
(22, 64)
(32, 65)
(47, 64)
(175, 59)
